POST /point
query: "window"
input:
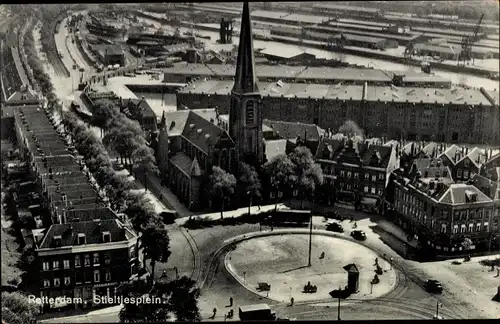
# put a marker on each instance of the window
(485, 227)
(462, 228)
(367, 176)
(466, 174)
(66, 264)
(443, 228)
(107, 259)
(280, 194)
(57, 282)
(365, 189)
(478, 227)
(455, 229)
(271, 194)
(348, 174)
(374, 177)
(55, 265)
(342, 173)
(67, 281)
(373, 190)
(295, 192)
(250, 113)
(108, 275)
(46, 265)
(77, 261)
(380, 192)
(96, 258)
(97, 276)
(46, 283)
(356, 175)
(106, 237)
(459, 173)
(471, 228)
(81, 239)
(381, 176)
(87, 260)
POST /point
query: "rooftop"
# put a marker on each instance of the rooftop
(92, 232)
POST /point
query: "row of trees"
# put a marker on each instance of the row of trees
(297, 170)
(41, 78)
(179, 296)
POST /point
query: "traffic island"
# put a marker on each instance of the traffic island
(276, 267)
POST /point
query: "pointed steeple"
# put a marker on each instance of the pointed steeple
(245, 80)
(163, 122)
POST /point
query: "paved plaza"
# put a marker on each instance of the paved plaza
(281, 261)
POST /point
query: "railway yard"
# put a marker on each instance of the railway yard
(309, 58)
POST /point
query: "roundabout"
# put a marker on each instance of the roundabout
(281, 261)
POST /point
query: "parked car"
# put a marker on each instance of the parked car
(358, 235)
(433, 286)
(168, 217)
(335, 227)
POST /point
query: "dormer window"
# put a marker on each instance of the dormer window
(106, 237)
(57, 240)
(82, 239)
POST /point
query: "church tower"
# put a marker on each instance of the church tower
(245, 115)
(162, 148)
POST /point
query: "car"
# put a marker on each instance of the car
(168, 217)
(358, 235)
(433, 286)
(334, 227)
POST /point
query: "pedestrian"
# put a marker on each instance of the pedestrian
(215, 312)
(291, 301)
(230, 301)
(260, 227)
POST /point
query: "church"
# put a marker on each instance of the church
(191, 142)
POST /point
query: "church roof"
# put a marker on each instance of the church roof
(290, 130)
(201, 132)
(245, 78)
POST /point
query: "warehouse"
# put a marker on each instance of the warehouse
(361, 41)
(184, 73)
(110, 54)
(288, 56)
(415, 113)
(450, 52)
(400, 39)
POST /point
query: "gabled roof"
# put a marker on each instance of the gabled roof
(93, 233)
(290, 130)
(202, 133)
(476, 156)
(328, 148)
(453, 151)
(183, 162)
(176, 121)
(195, 168)
(376, 155)
(457, 194)
(493, 161)
(25, 95)
(138, 106)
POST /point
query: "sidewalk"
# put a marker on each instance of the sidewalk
(231, 213)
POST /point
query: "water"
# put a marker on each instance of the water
(456, 78)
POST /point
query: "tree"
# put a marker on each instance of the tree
(281, 172)
(183, 299)
(139, 211)
(350, 128)
(103, 113)
(156, 244)
(222, 186)
(16, 309)
(467, 243)
(251, 183)
(179, 297)
(309, 174)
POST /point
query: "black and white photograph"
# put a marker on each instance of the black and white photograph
(250, 161)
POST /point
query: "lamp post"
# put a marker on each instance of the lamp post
(245, 277)
(249, 193)
(437, 309)
(338, 308)
(310, 240)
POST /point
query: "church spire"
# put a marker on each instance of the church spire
(245, 80)
(163, 122)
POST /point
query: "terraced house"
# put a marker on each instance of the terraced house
(353, 168)
(83, 247)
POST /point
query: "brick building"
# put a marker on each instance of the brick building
(82, 246)
(85, 259)
(447, 115)
(442, 213)
(356, 170)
